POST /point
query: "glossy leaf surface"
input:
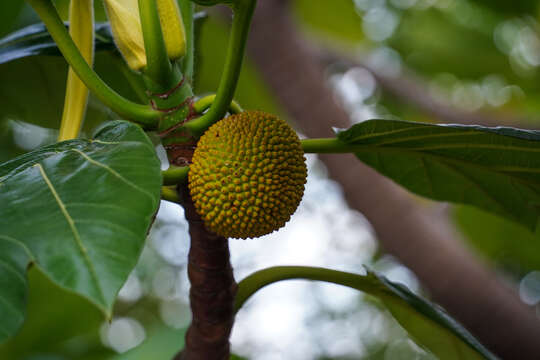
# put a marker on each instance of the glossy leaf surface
(80, 211)
(496, 169)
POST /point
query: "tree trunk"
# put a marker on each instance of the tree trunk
(212, 292)
(423, 241)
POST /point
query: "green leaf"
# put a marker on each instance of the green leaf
(489, 235)
(32, 90)
(495, 169)
(80, 211)
(164, 343)
(9, 10)
(428, 324)
(50, 330)
(35, 40)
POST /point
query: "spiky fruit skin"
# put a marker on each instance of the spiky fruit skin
(248, 175)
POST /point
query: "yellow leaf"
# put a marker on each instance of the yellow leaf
(81, 29)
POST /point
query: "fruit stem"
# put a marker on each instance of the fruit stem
(175, 175)
(256, 281)
(328, 146)
(170, 194)
(243, 12)
(158, 67)
(142, 114)
(204, 104)
(212, 292)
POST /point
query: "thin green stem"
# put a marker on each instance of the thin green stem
(158, 67)
(243, 13)
(170, 194)
(142, 114)
(256, 281)
(187, 10)
(175, 175)
(206, 102)
(328, 146)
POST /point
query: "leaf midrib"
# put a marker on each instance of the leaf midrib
(442, 159)
(75, 232)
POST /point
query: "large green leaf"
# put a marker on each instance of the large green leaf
(489, 235)
(79, 210)
(9, 10)
(35, 40)
(50, 329)
(164, 343)
(496, 169)
(32, 90)
(428, 324)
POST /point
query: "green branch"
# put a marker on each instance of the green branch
(175, 175)
(142, 114)
(256, 281)
(328, 146)
(206, 102)
(233, 64)
(158, 67)
(170, 194)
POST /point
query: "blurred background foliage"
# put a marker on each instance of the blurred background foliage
(470, 55)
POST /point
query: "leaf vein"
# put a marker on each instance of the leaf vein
(12, 270)
(76, 235)
(20, 243)
(114, 173)
(11, 307)
(477, 185)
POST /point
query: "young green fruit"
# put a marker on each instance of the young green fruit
(248, 175)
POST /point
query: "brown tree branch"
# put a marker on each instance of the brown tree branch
(425, 243)
(410, 88)
(212, 292)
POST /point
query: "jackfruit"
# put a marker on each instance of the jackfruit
(248, 175)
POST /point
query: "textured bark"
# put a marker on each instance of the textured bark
(212, 292)
(420, 239)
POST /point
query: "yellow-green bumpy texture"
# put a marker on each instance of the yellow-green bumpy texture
(248, 175)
